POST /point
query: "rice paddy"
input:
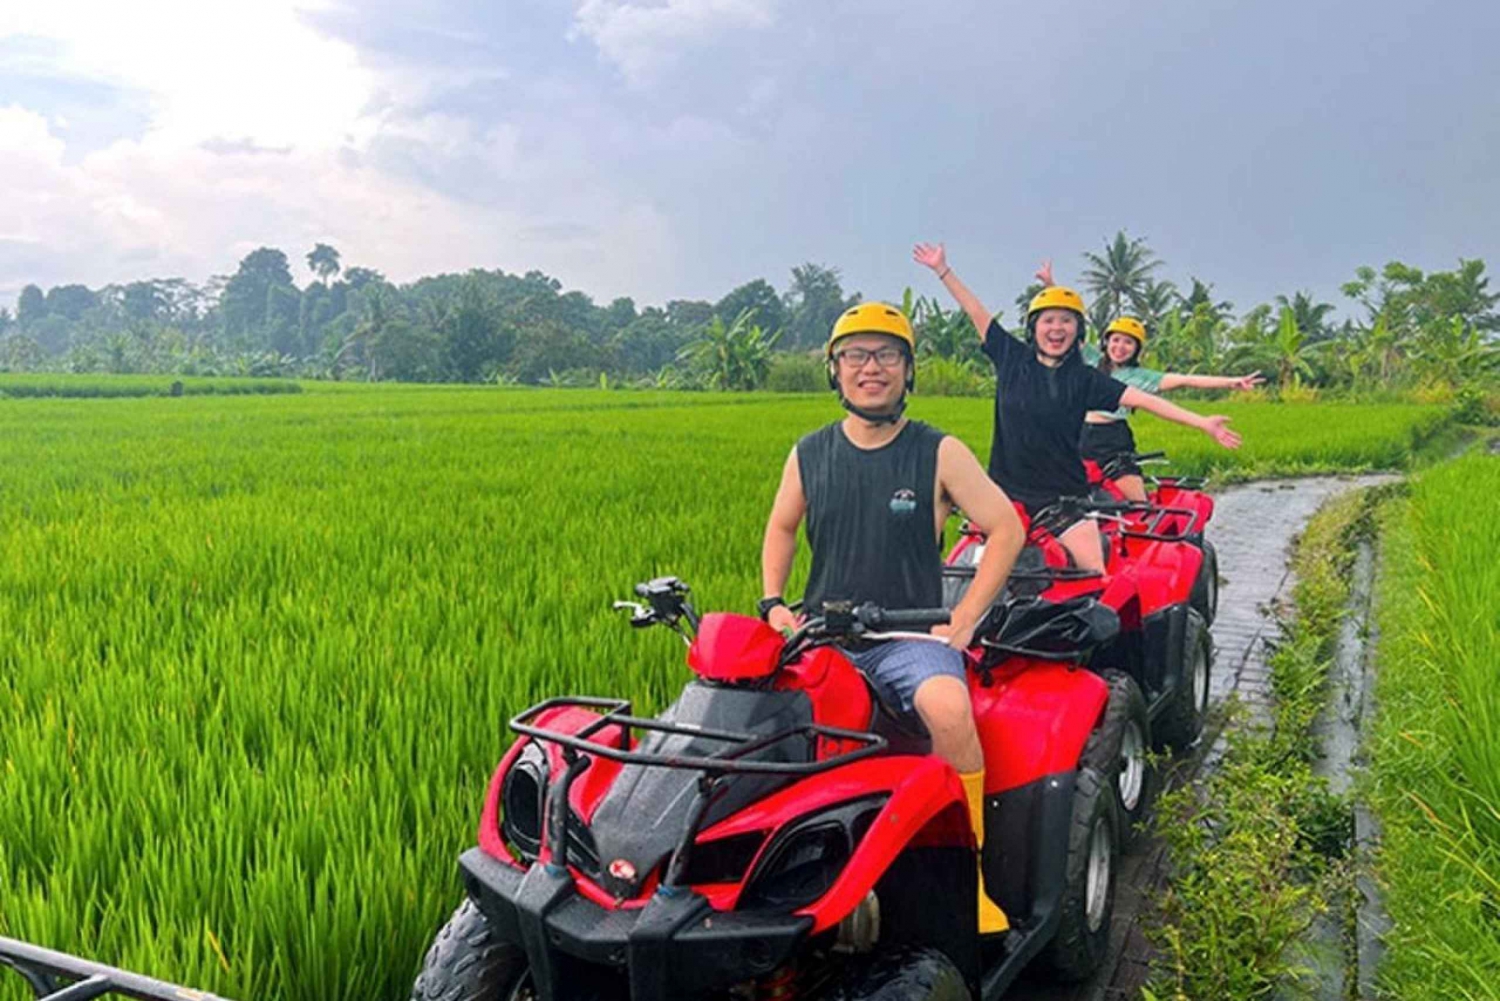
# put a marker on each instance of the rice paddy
(257, 652)
(1435, 753)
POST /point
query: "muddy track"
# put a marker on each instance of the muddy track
(1253, 528)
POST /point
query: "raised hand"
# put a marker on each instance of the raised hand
(930, 255)
(1044, 274)
(1217, 428)
(1250, 381)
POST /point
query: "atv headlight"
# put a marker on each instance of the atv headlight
(521, 803)
(806, 858)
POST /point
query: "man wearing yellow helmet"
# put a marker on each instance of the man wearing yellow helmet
(875, 490)
(1106, 434)
(1043, 389)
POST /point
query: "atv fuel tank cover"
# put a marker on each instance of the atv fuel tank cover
(734, 648)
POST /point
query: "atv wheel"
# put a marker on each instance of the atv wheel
(1205, 596)
(901, 975)
(1120, 750)
(1182, 721)
(467, 963)
(1088, 898)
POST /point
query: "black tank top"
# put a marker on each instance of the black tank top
(870, 519)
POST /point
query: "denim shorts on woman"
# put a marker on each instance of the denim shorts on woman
(899, 667)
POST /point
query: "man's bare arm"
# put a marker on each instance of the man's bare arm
(986, 505)
(780, 544)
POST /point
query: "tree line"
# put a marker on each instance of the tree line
(1413, 329)
(354, 324)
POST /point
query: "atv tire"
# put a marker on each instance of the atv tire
(1182, 721)
(1088, 897)
(902, 974)
(1205, 594)
(468, 963)
(1120, 749)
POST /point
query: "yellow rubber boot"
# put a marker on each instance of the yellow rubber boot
(991, 918)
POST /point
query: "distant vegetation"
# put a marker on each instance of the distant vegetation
(1432, 334)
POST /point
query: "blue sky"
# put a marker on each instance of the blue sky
(675, 148)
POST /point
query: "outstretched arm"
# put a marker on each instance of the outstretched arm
(1176, 380)
(1216, 427)
(931, 255)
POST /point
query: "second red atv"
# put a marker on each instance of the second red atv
(778, 833)
(1178, 507)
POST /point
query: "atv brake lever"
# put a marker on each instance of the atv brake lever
(640, 615)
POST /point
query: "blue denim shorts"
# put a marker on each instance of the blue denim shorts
(899, 667)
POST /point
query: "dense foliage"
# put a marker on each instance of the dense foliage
(1430, 332)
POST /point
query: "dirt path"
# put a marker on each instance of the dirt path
(1253, 528)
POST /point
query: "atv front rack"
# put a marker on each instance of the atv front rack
(714, 767)
(57, 976)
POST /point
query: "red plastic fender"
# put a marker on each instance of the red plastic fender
(926, 805)
(1165, 572)
(1034, 719)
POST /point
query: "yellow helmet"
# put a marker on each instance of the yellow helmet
(1055, 297)
(1130, 327)
(872, 318)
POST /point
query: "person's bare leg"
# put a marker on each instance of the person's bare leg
(1082, 540)
(1133, 487)
(943, 704)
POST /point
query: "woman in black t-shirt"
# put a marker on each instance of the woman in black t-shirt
(1043, 389)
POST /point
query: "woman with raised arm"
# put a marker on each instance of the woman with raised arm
(1043, 390)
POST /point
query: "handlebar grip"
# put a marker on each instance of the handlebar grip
(907, 618)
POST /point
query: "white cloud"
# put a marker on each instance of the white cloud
(261, 131)
(643, 39)
(237, 70)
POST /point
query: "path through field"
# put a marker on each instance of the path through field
(1253, 527)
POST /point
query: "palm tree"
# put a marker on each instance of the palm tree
(1202, 294)
(1119, 277)
(324, 261)
(1310, 316)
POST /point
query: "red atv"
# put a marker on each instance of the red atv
(57, 976)
(1178, 507)
(778, 832)
(1152, 581)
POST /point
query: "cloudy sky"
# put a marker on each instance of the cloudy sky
(675, 148)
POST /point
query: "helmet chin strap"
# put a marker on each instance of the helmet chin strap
(871, 416)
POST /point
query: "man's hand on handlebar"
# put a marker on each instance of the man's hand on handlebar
(784, 620)
(959, 632)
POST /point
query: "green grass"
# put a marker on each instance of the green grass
(257, 652)
(1435, 751)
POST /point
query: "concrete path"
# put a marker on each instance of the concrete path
(1253, 528)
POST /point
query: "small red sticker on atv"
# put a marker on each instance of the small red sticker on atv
(621, 869)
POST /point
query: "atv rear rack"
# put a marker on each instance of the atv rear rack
(57, 976)
(714, 767)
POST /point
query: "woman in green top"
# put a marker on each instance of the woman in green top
(1107, 435)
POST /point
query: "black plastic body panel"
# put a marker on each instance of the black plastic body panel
(674, 947)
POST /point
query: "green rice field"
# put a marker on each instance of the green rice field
(1435, 753)
(257, 651)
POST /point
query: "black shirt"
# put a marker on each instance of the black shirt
(1039, 412)
(870, 518)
